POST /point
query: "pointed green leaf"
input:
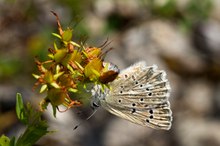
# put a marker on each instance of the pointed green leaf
(36, 76)
(55, 85)
(79, 65)
(51, 56)
(74, 44)
(57, 69)
(43, 88)
(57, 35)
(72, 90)
(70, 68)
(20, 111)
(85, 54)
(55, 46)
(56, 76)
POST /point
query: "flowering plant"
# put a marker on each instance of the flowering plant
(72, 68)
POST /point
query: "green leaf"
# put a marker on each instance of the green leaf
(4, 141)
(74, 44)
(55, 46)
(36, 128)
(55, 85)
(72, 90)
(32, 134)
(81, 68)
(12, 141)
(20, 111)
(70, 68)
(57, 75)
(51, 56)
(43, 88)
(56, 35)
(36, 76)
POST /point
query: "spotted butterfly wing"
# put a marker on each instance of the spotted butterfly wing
(140, 94)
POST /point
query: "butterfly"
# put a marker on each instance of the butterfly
(139, 94)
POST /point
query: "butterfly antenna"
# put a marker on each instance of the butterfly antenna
(104, 43)
(85, 120)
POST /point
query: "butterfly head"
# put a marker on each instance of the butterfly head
(98, 94)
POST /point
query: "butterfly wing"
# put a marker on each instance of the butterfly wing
(140, 94)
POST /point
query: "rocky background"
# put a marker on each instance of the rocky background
(180, 36)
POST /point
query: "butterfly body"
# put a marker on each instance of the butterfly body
(139, 94)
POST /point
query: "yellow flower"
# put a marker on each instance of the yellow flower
(93, 69)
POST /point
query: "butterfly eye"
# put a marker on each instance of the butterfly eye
(133, 104)
(136, 82)
(149, 94)
(119, 100)
(141, 99)
(147, 121)
(126, 76)
(151, 117)
(121, 92)
(141, 85)
(147, 89)
(151, 111)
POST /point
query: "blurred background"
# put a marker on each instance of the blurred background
(180, 36)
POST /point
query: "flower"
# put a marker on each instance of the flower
(69, 67)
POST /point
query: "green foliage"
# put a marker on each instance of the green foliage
(20, 111)
(167, 10)
(197, 10)
(35, 126)
(9, 67)
(4, 141)
(12, 141)
(193, 12)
